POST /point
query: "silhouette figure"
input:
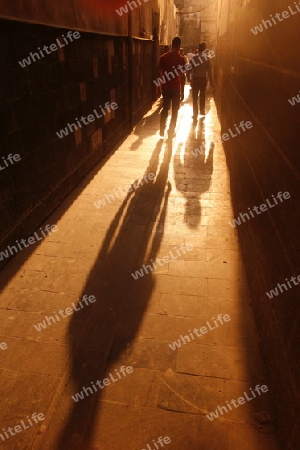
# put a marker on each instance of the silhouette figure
(193, 173)
(129, 242)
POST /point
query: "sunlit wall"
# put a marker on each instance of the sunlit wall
(257, 72)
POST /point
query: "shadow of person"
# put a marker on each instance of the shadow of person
(133, 238)
(150, 118)
(209, 96)
(193, 166)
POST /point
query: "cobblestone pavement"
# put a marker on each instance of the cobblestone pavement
(175, 223)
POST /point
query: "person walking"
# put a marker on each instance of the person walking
(189, 55)
(171, 65)
(182, 75)
(166, 49)
(201, 72)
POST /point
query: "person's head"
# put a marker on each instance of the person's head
(166, 48)
(176, 42)
(196, 51)
(202, 47)
(181, 51)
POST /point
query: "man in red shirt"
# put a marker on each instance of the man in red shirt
(172, 65)
(166, 49)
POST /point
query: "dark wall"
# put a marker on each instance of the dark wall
(255, 77)
(86, 15)
(95, 16)
(42, 98)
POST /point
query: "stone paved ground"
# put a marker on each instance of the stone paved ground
(133, 322)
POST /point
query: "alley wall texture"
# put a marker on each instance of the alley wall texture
(113, 61)
(256, 74)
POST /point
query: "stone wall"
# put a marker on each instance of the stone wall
(112, 61)
(98, 16)
(41, 99)
(256, 74)
(87, 15)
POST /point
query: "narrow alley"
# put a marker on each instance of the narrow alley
(142, 302)
(135, 322)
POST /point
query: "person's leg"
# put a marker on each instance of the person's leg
(203, 84)
(165, 110)
(195, 93)
(175, 109)
(182, 84)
